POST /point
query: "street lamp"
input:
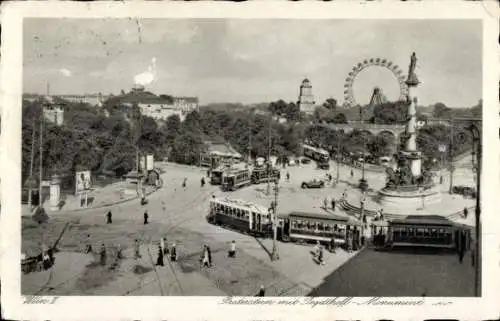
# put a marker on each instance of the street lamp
(476, 142)
(338, 158)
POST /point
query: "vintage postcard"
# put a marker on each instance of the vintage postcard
(256, 161)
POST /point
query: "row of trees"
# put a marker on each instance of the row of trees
(106, 140)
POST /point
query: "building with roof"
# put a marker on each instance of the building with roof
(53, 111)
(306, 101)
(216, 154)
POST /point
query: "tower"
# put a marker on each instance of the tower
(378, 98)
(306, 102)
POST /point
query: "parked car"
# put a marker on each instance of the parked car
(313, 184)
(323, 165)
(305, 160)
(466, 191)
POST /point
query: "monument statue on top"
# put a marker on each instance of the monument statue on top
(408, 172)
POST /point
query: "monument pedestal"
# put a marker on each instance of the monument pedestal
(408, 200)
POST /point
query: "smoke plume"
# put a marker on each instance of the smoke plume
(148, 77)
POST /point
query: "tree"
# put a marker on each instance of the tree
(330, 104)
(441, 111)
(339, 119)
(390, 113)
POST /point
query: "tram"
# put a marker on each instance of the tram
(423, 231)
(235, 178)
(216, 176)
(317, 154)
(242, 216)
(261, 174)
(304, 227)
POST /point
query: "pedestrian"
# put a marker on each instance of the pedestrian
(109, 218)
(88, 245)
(173, 253)
(209, 252)
(321, 256)
(232, 249)
(287, 176)
(316, 249)
(344, 194)
(329, 177)
(103, 255)
(441, 179)
(162, 245)
(213, 196)
(352, 173)
(332, 245)
(146, 216)
(325, 203)
(159, 261)
(184, 182)
(204, 257)
(137, 249)
(466, 212)
(262, 291)
(333, 204)
(202, 182)
(119, 252)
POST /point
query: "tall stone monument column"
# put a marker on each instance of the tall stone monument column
(411, 153)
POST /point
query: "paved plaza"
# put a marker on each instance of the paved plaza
(179, 215)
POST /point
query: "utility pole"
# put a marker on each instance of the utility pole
(269, 160)
(451, 155)
(250, 138)
(338, 158)
(274, 254)
(40, 199)
(476, 140)
(32, 160)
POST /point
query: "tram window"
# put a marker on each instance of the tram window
(328, 227)
(247, 215)
(405, 232)
(294, 224)
(426, 232)
(434, 233)
(420, 231)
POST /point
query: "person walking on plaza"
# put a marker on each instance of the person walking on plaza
(184, 182)
(287, 176)
(88, 245)
(109, 218)
(316, 249)
(159, 261)
(103, 254)
(352, 173)
(466, 212)
(333, 204)
(262, 291)
(146, 217)
(232, 249)
(119, 252)
(173, 253)
(344, 194)
(321, 256)
(137, 249)
(164, 245)
(203, 182)
(209, 251)
(325, 203)
(204, 257)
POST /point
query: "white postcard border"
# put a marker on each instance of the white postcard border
(206, 308)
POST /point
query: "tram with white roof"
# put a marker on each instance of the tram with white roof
(240, 215)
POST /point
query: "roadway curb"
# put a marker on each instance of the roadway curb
(106, 204)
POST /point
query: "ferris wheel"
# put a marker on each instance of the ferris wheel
(350, 100)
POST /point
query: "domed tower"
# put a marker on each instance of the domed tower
(306, 100)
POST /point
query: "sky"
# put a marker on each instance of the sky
(252, 61)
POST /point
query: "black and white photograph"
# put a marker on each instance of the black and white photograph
(253, 157)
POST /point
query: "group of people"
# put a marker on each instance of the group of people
(163, 251)
(332, 202)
